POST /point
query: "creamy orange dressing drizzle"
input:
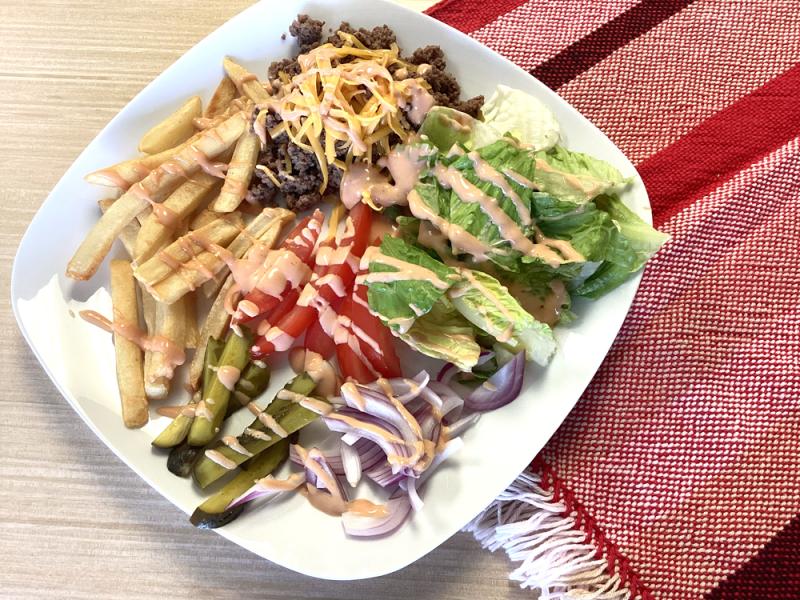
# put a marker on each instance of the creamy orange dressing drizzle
(511, 232)
(165, 215)
(257, 434)
(307, 402)
(366, 181)
(222, 460)
(267, 420)
(232, 442)
(113, 178)
(228, 376)
(421, 101)
(405, 271)
(547, 309)
(173, 354)
(461, 239)
(186, 410)
(215, 169)
(566, 249)
(487, 172)
(375, 429)
(316, 367)
(292, 482)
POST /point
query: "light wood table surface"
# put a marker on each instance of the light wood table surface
(74, 521)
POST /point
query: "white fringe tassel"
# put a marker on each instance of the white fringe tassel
(555, 558)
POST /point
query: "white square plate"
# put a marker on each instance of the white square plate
(79, 358)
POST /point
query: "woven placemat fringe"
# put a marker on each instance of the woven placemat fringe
(555, 555)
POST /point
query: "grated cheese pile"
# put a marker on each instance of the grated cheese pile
(356, 102)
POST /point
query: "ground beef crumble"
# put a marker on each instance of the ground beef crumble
(300, 182)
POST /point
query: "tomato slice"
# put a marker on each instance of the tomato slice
(386, 362)
(300, 241)
(320, 342)
(357, 228)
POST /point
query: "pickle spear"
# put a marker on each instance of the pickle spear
(176, 432)
(290, 416)
(212, 408)
(252, 383)
(214, 511)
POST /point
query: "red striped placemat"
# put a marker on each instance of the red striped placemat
(676, 476)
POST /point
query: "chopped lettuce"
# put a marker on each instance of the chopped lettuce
(421, 281)
(632, 243)
(488, 305)
(444, 334)
(524, 117)
(574, 176)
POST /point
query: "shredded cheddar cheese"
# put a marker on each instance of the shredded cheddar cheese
(349, 94)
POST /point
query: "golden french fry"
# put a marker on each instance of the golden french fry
(207, 266)
(240, 171)
(214, 326)
(128, 354)
(170, 323)
(172, 259)
(128, 234)
(192, 331)
(225, 92)
(153, 188)
(149, 318)
(174, 130)
(184, 201)
(246, 81)
(266, 227)
(202, 218)
(123, 175)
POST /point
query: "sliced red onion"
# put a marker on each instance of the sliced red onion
(260, 491)
(384, 476)
(361, 526)
(452, 403)
(351, 461)
(388, 447)
(314, 454)
(333, 459)
(457, 428)
(403, 389)
(501, 388)
(410, 486)
(449, 450)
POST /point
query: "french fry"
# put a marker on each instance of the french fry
(128, 354)
(240, 171)
(123, 175)
(270, 231)
(181, 203)
(170, 324)
(174, 130)
(245, 81)
(182, 282)
(225, 92)
(202, 218)
(128, 234)
(149, 318)
(184, 249)
(215, 325)
(192, 331)
(155, 187)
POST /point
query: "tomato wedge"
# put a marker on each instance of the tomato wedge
(334, 279)
(385, 360)
(320, 342)
(300, 242)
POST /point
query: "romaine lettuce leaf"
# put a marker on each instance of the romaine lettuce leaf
(444, 334)
(632, 243)
(419, 283)
(574, 176)
(487, 304)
